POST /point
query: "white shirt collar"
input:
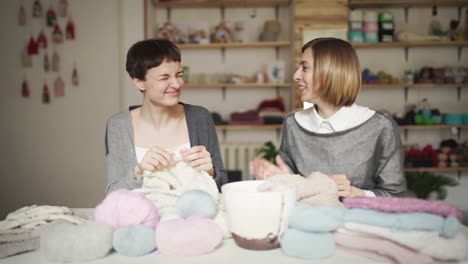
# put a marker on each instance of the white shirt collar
(345, 118)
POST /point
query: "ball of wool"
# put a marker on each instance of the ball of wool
(316, 218)
(307, 245)
(196, 203)
(450, 227)
(188, 237)
(134, 241)
(66, 242)
(124, 208)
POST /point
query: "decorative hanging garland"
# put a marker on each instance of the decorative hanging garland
(51, 17)
(25, 89)
(59, 87)
(37, 9)
(42, 40)
(63, 8)
(22, 16)
(33, 48)
(57, 35)
(45, 94)
(75, 79)
(70, 29)
(55, 62)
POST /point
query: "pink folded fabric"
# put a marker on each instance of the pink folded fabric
(403, 205)
(188, 237)
(379, 246)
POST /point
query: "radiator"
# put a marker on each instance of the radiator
(237, 155)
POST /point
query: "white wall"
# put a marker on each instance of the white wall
(54, 154)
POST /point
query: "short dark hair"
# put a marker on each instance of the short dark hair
(150, 53)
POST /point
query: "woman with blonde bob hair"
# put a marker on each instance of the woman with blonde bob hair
(359, 148)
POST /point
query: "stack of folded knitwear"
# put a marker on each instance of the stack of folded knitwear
(21, 230)
(269, 111)
(402, 230)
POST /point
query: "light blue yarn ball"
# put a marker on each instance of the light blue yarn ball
(196, 203)
(316, 218)
(134, 241)
(307, 245)
(450, 227)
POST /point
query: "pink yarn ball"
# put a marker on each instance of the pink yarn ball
(188, 237)
(124, 208)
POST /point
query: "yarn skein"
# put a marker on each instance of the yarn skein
(196, 203)
(134, 241)
(66, 242)
(124, 208)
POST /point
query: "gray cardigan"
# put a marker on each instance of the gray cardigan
(120, 148)
(370, 154)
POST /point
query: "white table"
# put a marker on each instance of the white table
(228, 252)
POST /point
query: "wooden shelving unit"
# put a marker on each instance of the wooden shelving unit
(218, 3)
(408, 44)
(235, 45)
(417, 85)
(448, 169)
(236, 85)
(404, 3)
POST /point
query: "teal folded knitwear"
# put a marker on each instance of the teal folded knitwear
(447, 227)
(316, 218)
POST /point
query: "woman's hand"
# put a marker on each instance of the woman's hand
(262, 168)
(155, 159)
(199, 158)
(345, 189)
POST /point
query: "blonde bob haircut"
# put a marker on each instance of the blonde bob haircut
(337, 74)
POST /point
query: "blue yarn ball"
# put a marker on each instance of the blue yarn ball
(450, 227)
(307, 245)
(196, 203)
(316, 218)
(134, 240)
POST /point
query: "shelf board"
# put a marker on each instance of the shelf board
(448, 169)
(405, 3)
(236, 85)
(218, 3)
(236, 45)
(416, 85)
(248, 127)
(432, 126)
(406, 44)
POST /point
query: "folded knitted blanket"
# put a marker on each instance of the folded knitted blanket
(392, 251)
(13, 248)
(32, 216)
(315, 189)
(164, 187)
(447, 227)
(429, 243)
(403, 205)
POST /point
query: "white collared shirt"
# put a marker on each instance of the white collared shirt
(345, 118)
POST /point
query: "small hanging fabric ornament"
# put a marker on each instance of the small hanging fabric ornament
(45, 94)
(55, 62)
(70, 29)
(25, 89)
(42, 40)
(26, 60)
(63, 8)
(33, 48)
(22, 16)
(57, 35)
(46, 62)
(51, 17)
(75, 79)
(59, 87)
(37, 9)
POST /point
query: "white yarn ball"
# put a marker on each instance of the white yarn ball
(72, 243)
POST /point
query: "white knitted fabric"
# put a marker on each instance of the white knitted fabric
(315, 189)
(164, 187)
(32, 216)
(429, 243)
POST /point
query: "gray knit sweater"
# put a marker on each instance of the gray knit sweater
(370, 154)
(120, 148)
